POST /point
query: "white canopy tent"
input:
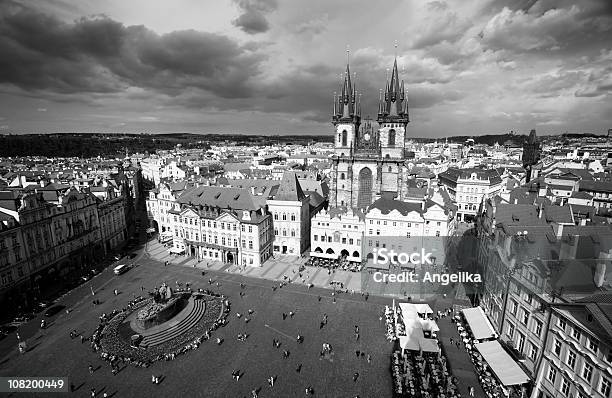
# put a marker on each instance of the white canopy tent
(507, 371)
(479, 323)
(176, 250)
(414, 326)
(410, 310)
(429, 345)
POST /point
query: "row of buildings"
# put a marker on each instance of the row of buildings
(547, 289)
(56, 229)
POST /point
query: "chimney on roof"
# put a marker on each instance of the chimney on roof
(559, 230)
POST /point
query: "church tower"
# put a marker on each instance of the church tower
(369, 160)
(393, 117)
(346, 116)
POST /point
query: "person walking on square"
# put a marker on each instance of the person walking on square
(471, 391)
(355, 376)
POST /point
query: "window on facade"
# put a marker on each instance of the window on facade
(284, 232)
(538, 328)
(511, 330)
(222, 225)
(587, 372)
(561, 323)
(521, 342)
(552, 375)
(605, 386)
(244, 244)
(576, 333)
(276, 216)
(525, 317)
(533, 352)
(250, 244)
(284, 217)
(293, 232)
(557, 347)
(565, 387)
(571, 359)
(293, 217)
(350, 241)
(513, 307)
(593, 344)
(437, 233)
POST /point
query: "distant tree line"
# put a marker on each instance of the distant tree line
(87, 145)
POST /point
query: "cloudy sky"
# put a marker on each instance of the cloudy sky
(271, 66)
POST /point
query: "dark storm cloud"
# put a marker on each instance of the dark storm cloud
(100, 55)
(253, 18)
(561, 26)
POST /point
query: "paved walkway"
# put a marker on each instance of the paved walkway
(277, 268)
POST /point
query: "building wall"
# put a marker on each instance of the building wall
(574, 363)
(291, 222)
(244, 241)
(332, 235)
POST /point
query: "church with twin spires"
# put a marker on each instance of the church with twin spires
(369, 155)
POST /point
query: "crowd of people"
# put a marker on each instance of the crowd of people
(112, 347)
(333, 264)
(424, 375)
(390, 324)
(489, 383)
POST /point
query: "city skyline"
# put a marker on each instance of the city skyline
(260, 66)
